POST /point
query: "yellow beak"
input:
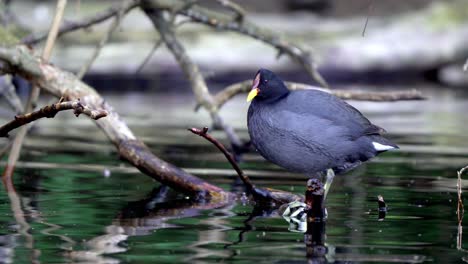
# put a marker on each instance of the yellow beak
(252, 94)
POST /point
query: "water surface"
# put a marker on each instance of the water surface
(75, 201)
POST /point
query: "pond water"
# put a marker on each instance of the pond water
(75, 201)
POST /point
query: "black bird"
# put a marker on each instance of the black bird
(309, 131)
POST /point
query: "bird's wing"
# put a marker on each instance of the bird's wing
(316, 133)
(329, 107)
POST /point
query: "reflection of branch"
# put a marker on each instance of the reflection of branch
(50, 111)
(243, 87)
(18, 214)
(87, 22)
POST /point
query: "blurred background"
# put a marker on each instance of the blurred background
(76, 201)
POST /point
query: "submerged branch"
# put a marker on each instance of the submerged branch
(50, 111)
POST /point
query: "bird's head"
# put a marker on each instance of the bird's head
(267, 86)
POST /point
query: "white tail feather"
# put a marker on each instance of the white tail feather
(381, 147)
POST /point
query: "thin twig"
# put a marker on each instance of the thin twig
(369, 11)
(245, 179)
(156, 45)
(35, 91)
(87, 22)
(115, 23)
(259, 194)
(50, 111)
(243, 87)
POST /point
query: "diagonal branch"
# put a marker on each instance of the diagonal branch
(50, 111)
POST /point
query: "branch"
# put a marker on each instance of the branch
(243, 87)
(50, 111)
(259, 194)
(219, 22)
(85, 23)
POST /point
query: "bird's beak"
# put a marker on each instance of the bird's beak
(252, 94)
(255, 89)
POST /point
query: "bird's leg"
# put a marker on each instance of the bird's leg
(328, 181)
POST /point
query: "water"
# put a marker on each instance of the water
(77, 202)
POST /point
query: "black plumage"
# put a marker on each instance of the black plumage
(309, 131)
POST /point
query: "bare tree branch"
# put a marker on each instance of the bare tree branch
(220, 22)
(85, 23)
(50, 111)
(243, 87)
